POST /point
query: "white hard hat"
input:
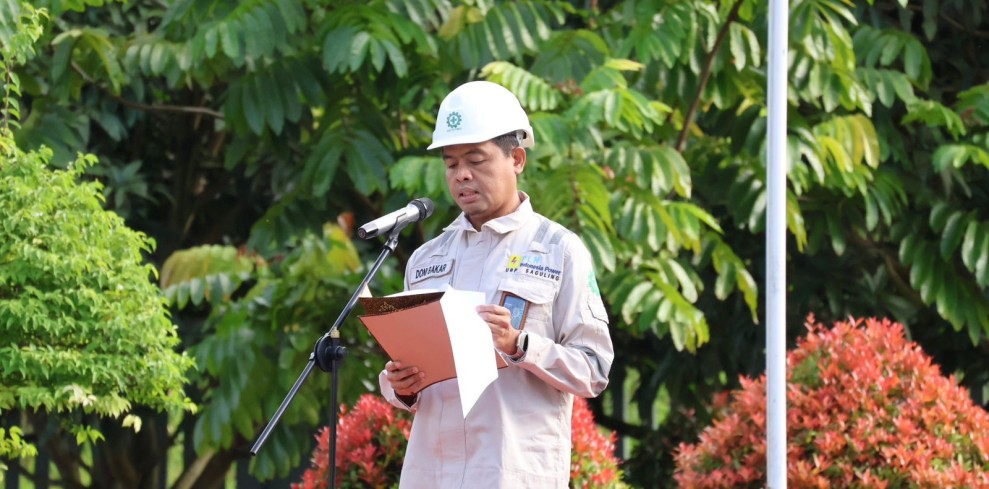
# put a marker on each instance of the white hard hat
(478, 111)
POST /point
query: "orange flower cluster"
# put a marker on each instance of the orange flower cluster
(865, 408)
(371, 442)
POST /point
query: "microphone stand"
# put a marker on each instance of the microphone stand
(328, 355)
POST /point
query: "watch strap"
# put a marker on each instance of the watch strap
(521, 345)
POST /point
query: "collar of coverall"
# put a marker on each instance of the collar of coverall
(500, 225)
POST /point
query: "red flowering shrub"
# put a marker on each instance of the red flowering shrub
(865, 408)
(592, 453)
(370, 447)
(371, 443)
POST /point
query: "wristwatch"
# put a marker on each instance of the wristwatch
(521, 344)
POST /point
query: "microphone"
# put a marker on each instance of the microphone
(416, 211)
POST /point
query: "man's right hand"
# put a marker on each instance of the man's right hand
(405, 381)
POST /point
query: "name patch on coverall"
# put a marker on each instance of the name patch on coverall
(430, 270)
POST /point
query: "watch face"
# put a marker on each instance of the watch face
(517, 306)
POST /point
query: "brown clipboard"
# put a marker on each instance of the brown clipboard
(411, 328)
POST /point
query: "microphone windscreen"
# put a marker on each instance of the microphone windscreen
(425, 206)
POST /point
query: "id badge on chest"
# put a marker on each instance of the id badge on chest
(518, 306)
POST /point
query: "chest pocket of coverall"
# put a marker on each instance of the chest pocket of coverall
(539, 294)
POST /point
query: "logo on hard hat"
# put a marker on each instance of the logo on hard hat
(453, 120)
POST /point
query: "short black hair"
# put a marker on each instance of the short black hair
(509, 141)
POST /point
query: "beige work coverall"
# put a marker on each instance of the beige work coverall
(518, 433)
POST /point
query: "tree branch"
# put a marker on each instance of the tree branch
(622, 427)
(958, 25)
(67, 463)
(897, 271)
(706, 75)
(192, 471)
(954, 23)
(182, 109)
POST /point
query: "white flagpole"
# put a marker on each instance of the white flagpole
(776, 169)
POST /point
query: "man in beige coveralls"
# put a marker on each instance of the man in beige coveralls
(518, 433)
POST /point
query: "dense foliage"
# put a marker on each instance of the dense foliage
(865, 408)
(371, 441)
(84, 331)
(265, 316)
(251, 124)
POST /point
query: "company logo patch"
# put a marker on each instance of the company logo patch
(532, 265)
(430, 270)
(453, 120)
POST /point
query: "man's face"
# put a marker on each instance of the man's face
(482, 179)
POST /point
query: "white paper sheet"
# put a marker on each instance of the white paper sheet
(473, 349)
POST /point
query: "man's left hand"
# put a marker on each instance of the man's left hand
(499, 319)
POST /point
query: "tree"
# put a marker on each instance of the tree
(254, 123)
(85, 332)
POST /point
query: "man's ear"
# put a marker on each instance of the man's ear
(518, 159)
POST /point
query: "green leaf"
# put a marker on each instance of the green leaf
(947, 303)
(266, 40)
(293, 14)
(902, 86)
(229, 40)
(211, 41)
(632, 302)
(934, 114)
(952, 235)
(940, 212)
(836, 232)
(795, 220)
(268, 91)
(725, 283)
(336, 48)
(534, 93)
(159, 59)
(455, 22)
(252, 34)
(921, 263)
(358, 49)
(367, 160)
(290, 94)
(958, 155)
(976, 254)
(64, 44)
(908, 249)
(398, 61)
(921, 276)
(321, 166)
(197, 291)
(687, 287)
(600, 248)
(570, 55)
(913, 55)
(250, 101)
